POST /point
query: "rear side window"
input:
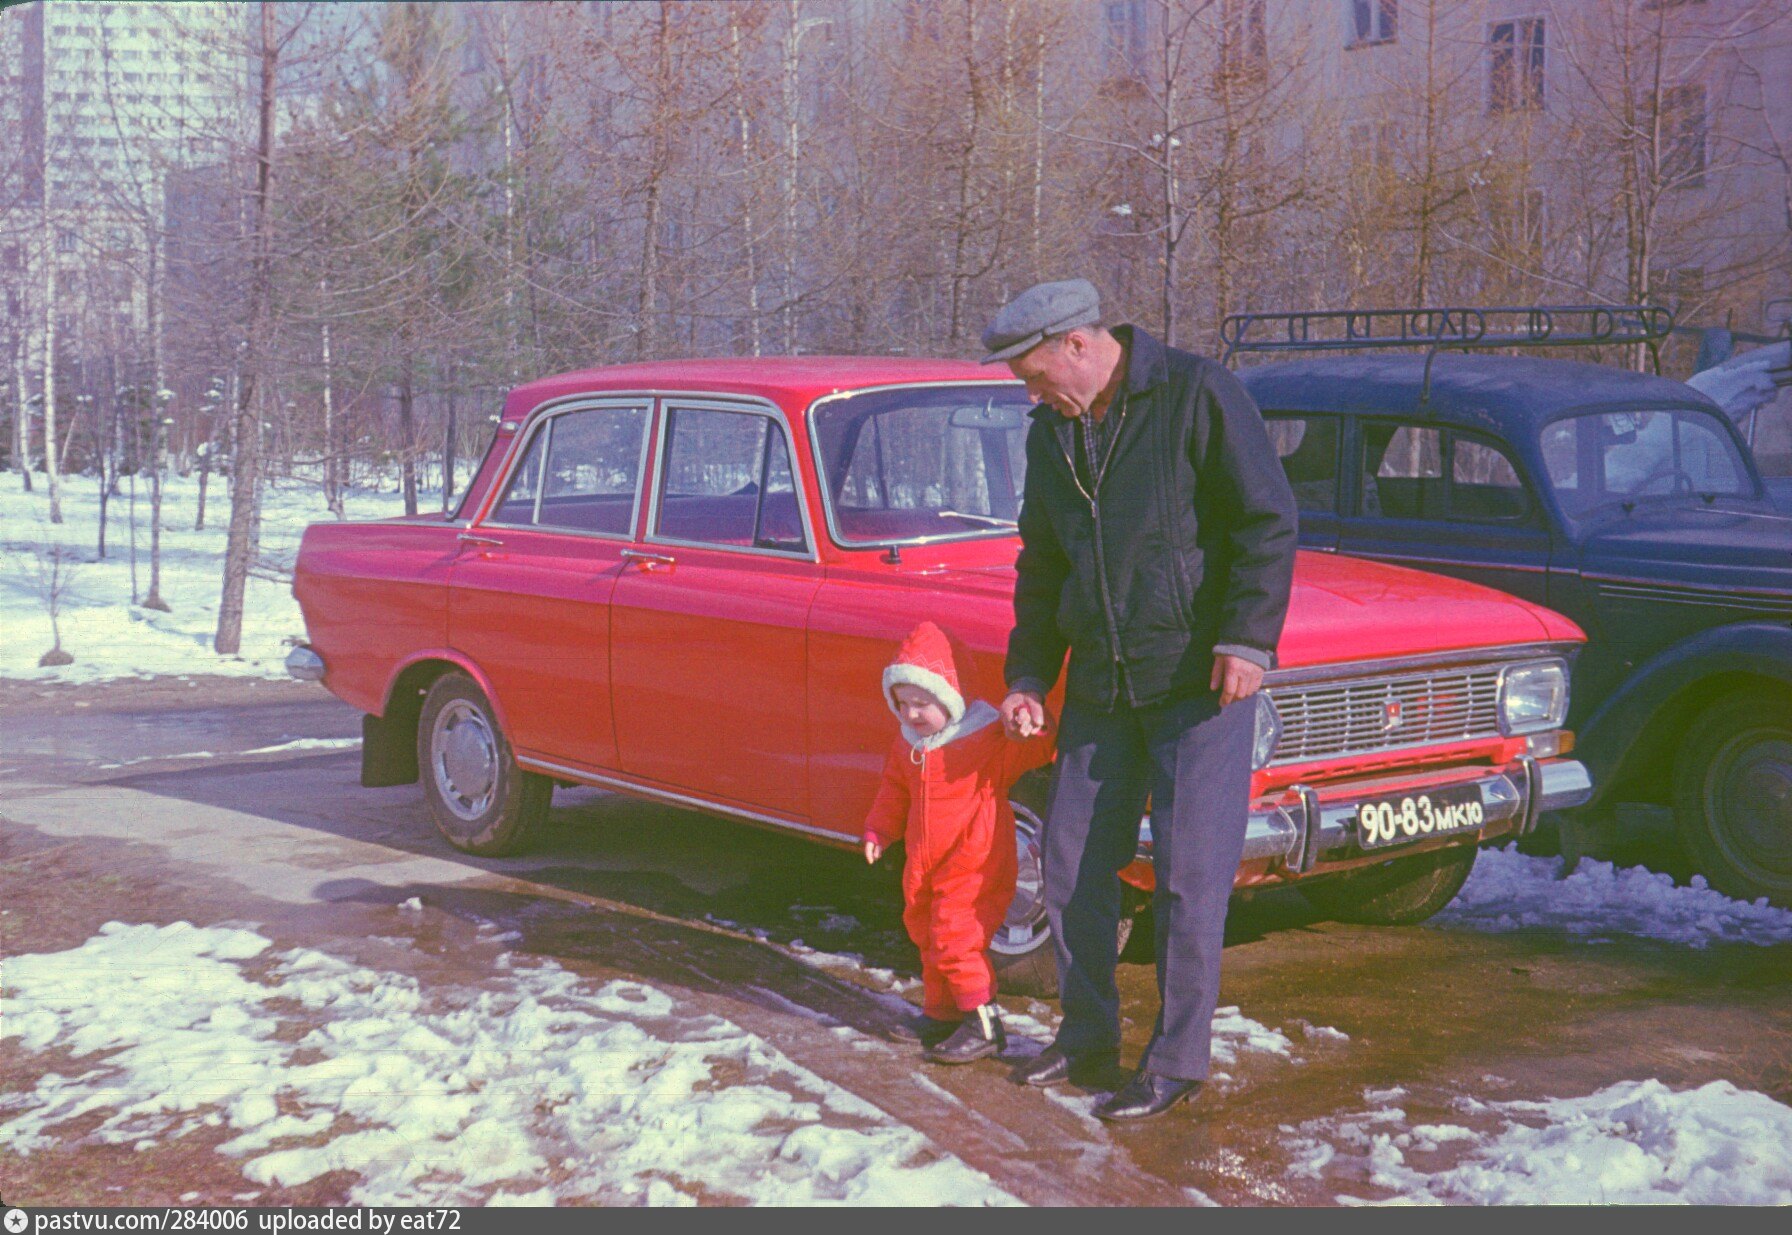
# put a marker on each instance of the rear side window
(1308, 448)
(581, 473)
(593, 470)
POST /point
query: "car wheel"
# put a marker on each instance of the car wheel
(481, 801)
(1022, 952)
(1733, 796)
(1398, 893)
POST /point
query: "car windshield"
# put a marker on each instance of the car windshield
(1607, 458)
(923, 463)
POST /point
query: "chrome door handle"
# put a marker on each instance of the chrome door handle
(467, 538)
(648, 561)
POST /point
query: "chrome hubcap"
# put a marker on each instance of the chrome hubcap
(465, 760)
(1025, 925)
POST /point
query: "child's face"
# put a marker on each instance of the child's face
(919, 710)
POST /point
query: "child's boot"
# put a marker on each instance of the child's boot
(929, 1031)
(979, 1034)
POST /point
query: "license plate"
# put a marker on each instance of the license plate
(1399, 818)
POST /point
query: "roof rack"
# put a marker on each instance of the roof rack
(1441, 328)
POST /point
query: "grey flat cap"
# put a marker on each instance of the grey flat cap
(1042, 310)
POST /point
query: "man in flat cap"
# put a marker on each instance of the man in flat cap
(1157, 547)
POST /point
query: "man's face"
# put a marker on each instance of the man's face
(1060, 371)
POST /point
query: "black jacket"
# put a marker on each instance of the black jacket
(1188, 543)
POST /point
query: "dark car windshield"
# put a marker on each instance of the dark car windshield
(1602, 458)
(923, 463)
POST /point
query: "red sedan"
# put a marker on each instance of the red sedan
(681, 580)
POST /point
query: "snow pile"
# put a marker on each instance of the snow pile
(533, 1089)
(1511, 891)
(110, 637)
(1636, 1142)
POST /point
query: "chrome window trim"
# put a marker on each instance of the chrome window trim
(821, 472)
(744, 404)
(543, 423)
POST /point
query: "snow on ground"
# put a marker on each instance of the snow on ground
(1510, 891)
(1636, 1142)
(538, 1086)
(108, 635)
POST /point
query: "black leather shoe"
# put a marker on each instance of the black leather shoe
(979, 1034)
(1053, 1067)
(926, 1030)
(1146, 1096)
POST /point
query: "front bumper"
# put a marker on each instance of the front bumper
(1306, 828)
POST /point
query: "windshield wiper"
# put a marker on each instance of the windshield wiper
(989, 519)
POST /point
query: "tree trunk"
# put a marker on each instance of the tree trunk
(332, 465)
(246, 457)
(52, 464)
(448, 452)
(743, 119)
(157, 433)
(22, 415)
(407, 433)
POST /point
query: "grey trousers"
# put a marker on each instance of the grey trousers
(1193, 759)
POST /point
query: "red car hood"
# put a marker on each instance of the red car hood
(1346, 609)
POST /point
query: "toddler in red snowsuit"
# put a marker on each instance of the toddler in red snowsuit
(945, 792)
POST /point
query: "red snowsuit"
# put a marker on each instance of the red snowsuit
(947, 796)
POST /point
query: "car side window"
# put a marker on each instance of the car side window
(1403, 471)
(593, 470)
(1484, 486)
(726, 480)
(1308, 448)
(517, 506)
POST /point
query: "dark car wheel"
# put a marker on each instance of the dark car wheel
(1733, 796)
(1022, 953)
(481, 801)
(1398, 893)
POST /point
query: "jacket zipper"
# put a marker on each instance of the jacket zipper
(1101, 569)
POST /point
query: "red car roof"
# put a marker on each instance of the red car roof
(792, 381)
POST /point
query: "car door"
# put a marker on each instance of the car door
(1308, 445)
(1439, 498)
(529, 592)
(708, 618)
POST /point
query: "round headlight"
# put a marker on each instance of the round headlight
(1533, 697)
(1269, 732)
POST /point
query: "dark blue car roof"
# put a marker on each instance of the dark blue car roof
(1468, 390)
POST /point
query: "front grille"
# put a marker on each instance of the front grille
(1332, 719)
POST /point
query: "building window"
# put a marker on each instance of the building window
(1515, 65)
(1373, 21)
(1683, 136)
(65, 241)
(1372, 143)
(1244, 47)
(1125, 20)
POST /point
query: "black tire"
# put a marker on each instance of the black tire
(1402, 892)
(1022, 953)
(1733, 796)
(480, 800)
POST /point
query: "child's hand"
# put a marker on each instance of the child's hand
(874, 849)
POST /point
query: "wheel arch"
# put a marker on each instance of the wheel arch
(1628, 743)
(389, 739)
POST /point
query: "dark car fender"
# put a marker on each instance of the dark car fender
(1631, 739)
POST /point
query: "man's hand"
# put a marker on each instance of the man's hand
(1023, 714)
(874, 849)
(1235, 678)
